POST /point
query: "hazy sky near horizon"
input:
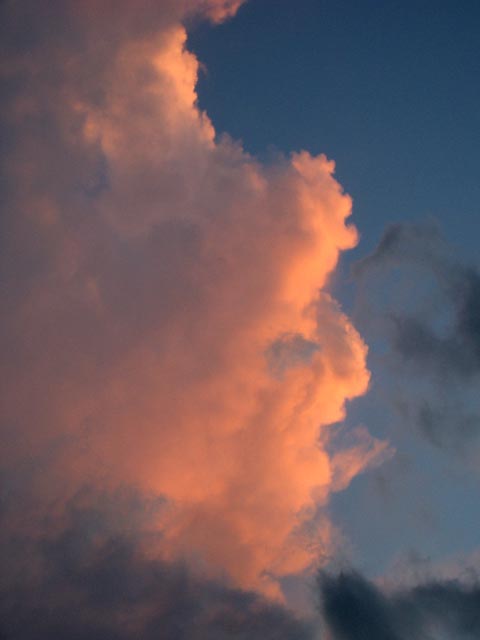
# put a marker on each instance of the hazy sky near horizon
(241, 319)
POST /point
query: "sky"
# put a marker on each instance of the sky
(240, 325)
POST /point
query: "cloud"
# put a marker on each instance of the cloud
(92, 578)
(91, 571)
(150, 270)
(424, 300)
(403, 242)
(456, 351)
(355, 608)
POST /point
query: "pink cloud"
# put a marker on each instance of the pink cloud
(150, 269)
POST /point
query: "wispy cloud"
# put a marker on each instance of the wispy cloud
(424, 300)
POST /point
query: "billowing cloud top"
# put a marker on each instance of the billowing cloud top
(164, 322)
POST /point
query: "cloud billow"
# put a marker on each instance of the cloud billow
(148, 268)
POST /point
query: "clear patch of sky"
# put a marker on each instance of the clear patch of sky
(389, 89)
(421, 500)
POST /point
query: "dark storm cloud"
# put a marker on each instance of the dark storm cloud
(87, 580)
(355, 609)
(429, 312)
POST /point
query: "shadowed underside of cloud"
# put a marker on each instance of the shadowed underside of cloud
(431, 319)
(356, 609)
(86, 574)
(88, 578)
(91, 571)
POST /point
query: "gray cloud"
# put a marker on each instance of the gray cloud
(426, 303)
(401, 242)
(355, 609)
(457, 352)
(422, 246)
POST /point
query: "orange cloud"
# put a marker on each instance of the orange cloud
(155, 275)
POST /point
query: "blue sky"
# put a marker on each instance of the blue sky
(389, 90)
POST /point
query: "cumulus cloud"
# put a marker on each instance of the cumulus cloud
(165, 322)
(355, 608)
(425, 301)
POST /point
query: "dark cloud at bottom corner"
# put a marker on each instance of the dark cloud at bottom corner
(354, 608)
(96, 579)
(95, 573)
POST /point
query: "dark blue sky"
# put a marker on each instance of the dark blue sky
(390, 90)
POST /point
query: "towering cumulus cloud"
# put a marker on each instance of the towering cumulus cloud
(164, 325)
